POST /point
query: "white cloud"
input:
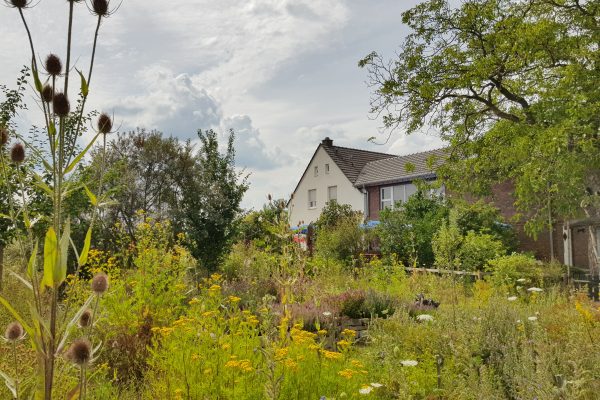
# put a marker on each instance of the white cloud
(414, 143)
(250, 150)
(172, 104)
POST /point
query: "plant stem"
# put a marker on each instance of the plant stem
(14, 346)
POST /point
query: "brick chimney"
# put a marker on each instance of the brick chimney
(327, 142)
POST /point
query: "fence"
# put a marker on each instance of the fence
(577, 277)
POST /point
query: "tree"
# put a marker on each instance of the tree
(142, 170)
(512, 85)
(210, 200)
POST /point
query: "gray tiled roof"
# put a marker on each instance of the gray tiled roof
(352, 161)
(392, 170)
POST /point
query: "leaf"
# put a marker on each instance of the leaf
(39, 182)
(22, 280)
(86, 247)
(80, 155)
(16, 315)
(52, 129)
(91, 196)
(50, 257)
(84, 85)
(61, 272)
(36, 79)
(10, 383)
(32, 261)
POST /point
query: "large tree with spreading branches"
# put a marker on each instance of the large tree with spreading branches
(513, 87)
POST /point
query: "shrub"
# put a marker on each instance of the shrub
(479, 248)
(507, 270)
(407, 231)
(343, 241)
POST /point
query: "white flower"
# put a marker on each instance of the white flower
(376, 385)
(409, 363)
(532, 318)
(521, 280)
(535, 289)
(327, 314)
(518, 321)
(512, 298)
(365, 390)
(424, 317)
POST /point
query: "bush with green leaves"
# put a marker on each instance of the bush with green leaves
(344, 241)
(408, 230)
(477, 249)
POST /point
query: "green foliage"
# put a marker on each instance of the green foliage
(484, 217)
(522, 269)
(267, 227)
(446, 244)
(512, 86)
(344, 241)
(333, 213)
(477, 249)
(210, 203)
(407, 231)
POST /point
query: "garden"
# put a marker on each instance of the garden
(129, 270)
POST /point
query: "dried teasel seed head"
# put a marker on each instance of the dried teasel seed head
(86, 319)
(17, 153)
(80, 352)
(53, 65)
(100, 7)
(100, 283)
(14, 332)
(18, 3)
(104, 124)
(61, 105)
(47, 93)
(3, 136)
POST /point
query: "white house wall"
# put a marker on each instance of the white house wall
(346, 192)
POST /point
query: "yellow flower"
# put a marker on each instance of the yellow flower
(214, 290)
(343, 345)
(234, 299)
(322, 332)
(357, 364)
(584, 312)
(226, 346)
(194, 301)
(331, 355)
(291, 364)
(281, 353)
(349, 333)
(347, 373)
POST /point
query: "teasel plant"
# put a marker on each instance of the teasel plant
(47, 327)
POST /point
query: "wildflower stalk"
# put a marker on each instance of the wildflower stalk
(14, 349)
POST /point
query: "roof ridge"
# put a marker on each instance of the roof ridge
(366, 151)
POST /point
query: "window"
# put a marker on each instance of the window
(326, 168)
(312, 198)
(332, 193)
(391, 195)
(316, 171)
(386, 197)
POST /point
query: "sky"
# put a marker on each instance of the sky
(282, 73)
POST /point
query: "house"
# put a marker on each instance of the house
(330, 175)
(371, 181)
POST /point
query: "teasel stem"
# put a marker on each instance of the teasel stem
(69, 34)
(14, 348)
(89, 79)
(82, 382)
(29, 37)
